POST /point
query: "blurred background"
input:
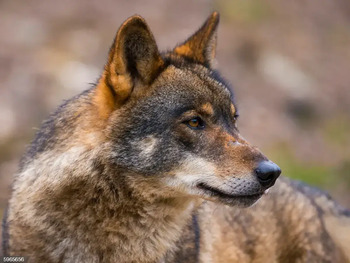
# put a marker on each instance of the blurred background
(289, 63)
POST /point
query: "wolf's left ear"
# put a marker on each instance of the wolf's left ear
(201, 46)
(133, 59)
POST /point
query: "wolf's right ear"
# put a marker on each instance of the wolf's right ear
(201, 46)
(133, 58)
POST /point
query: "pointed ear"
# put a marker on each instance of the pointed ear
(133, 58)
(201, 46)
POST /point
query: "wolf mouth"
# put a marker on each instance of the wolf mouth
(216, 192)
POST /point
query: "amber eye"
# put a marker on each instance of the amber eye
(195, 123)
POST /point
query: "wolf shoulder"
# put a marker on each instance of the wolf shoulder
(294, 221)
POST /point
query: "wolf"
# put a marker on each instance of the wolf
(148, 165)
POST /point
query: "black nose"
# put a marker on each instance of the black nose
(267, 172)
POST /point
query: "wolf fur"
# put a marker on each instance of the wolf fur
(148, 166)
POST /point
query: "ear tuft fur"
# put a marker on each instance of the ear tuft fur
(201, 46)
(133, 58)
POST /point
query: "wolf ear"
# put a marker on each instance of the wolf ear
(133, 58)
(201, 46)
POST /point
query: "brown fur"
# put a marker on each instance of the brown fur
(201, 46)
(207, 108)
(117, 175)
(233, 109)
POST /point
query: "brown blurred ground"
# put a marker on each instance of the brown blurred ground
(289, 62)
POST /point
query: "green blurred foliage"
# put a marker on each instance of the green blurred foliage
(247, 11)
(337, 130)
(312, 173)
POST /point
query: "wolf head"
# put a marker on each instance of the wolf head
(171, 119)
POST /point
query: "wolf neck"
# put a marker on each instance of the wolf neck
(93, 214)
(149, 230)
(143, 229)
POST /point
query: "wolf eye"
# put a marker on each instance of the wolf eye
(195, 123)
